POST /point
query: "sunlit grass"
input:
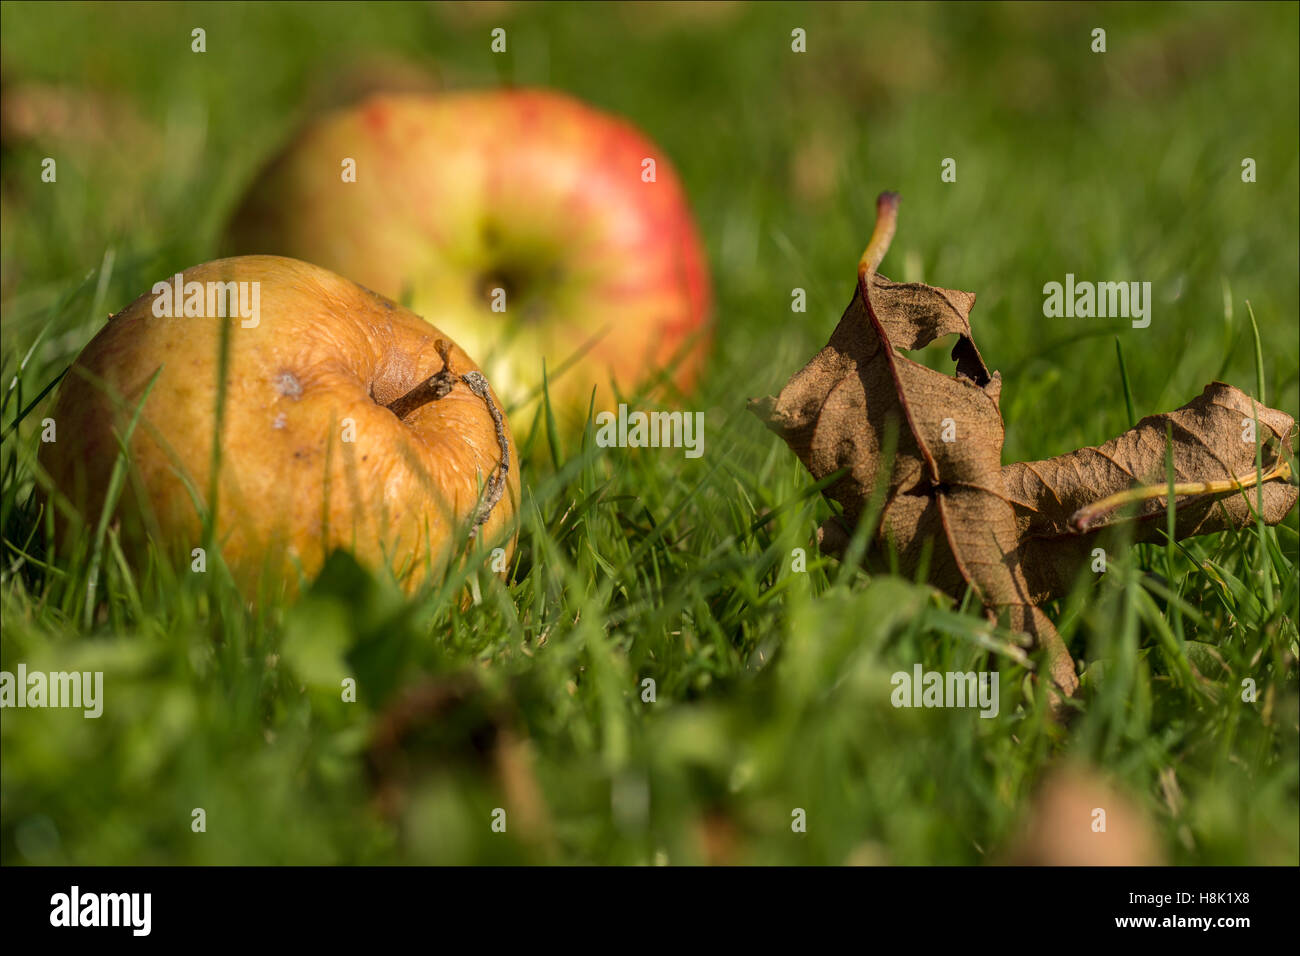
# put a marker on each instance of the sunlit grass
(771, 686)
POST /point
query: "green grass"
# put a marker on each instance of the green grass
(772, 686)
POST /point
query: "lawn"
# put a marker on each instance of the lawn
(771, 685)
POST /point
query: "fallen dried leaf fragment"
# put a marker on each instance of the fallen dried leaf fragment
(1007, 533)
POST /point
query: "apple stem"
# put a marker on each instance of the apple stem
(440, 384)
(430, 390)
(497, 483)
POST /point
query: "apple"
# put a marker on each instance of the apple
(525, 223)
(348, 422)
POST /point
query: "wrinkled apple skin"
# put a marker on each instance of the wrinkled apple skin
(527, 191)
(291, 488)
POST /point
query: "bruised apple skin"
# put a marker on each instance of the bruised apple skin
(528, 192)
(312, 457)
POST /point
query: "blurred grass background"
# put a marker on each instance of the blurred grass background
(772, 687)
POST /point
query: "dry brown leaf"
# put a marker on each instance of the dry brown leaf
(1051, 496)
(1013, 534)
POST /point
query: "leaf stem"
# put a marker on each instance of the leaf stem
(881, 236)
(1088, 515)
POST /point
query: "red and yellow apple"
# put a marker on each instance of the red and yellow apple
(567, 220)
(348, 422)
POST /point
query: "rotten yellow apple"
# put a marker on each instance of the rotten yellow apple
(346, 422)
